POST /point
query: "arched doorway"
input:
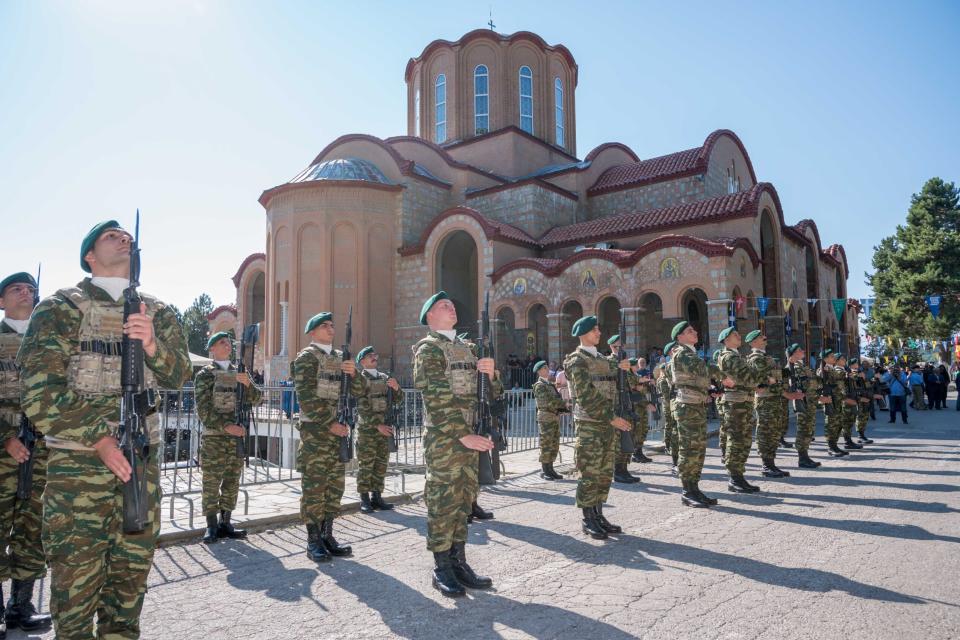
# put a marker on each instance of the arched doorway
(653, 333)
(504, 330)
(768, 262)
(456, 273)
(608, 318)
(570, 313)
(537, 329)
(255, 301)
(693, 306)
(813, 284)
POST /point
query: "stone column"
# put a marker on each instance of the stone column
(718, 319)
(283, 327)
(634, 341)
(554, 340)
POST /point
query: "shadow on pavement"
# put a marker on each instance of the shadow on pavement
(248, 566)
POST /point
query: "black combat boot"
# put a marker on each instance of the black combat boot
(329, 542)
(639, 457)
(213, 527)
(723, 453)
(785, 444)
(20, 610)
(477, 512)
(739, 484)
(227, 530)
(365, 506)
(691, 496)
(315, 549)
(806, 462)
(849, 444)
(608, 526)
(444, 579)
(622, 475)
(462, 571)
(836, 451)
(863, 439)
(381, 504)
(591, 525)
(710, 501)
(549, 473)
(770, 469)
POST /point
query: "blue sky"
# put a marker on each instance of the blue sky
(188, 110)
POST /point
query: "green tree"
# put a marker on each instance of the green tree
(196, 327)
(922, 258)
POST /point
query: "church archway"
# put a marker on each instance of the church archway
(456, 273)
(570, 313)
(769, 263)
(693, 306)
(608, 318)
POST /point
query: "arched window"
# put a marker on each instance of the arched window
(481, 99)
(440, 99)
(558, 109)
(416, 113)
(526, 99)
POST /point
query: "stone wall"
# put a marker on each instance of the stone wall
(529, 207)
(651, 196)
(421, 203)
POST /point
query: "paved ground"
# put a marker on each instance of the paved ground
(862, 548)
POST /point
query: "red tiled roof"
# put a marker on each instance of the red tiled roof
(839, 255)
(221, 309)
(725, 207)
(669, 167)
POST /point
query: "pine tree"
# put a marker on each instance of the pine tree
(196, 327)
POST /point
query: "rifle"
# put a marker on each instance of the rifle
(392, 417)
(624, 408)
(798, 383)
(131, 432)
(484, 425)
(27, 434)
(826, 389)
(852, 393)
(244, 416)
(345, 413)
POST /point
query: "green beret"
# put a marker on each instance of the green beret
(853, 361)
(679, 328)
(363, 353)
(432, 300)
(215, 337)
(91, 239)
(726, 333)
(753, 335)
(840, 355)
(317, 320)
(613, 338)
(17, 278)
(826, 352)
(464, 335)
(539, 366)
(792, 349)
(668, 346)
(633, 361)
(583, 326)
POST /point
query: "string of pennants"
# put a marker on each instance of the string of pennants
(933, 302)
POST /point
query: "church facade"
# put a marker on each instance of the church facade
(486, 192)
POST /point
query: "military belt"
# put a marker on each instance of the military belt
(329, 376)
(737, 396)
(603, 378)
(462, 366)
(102, 347)
(691, 396)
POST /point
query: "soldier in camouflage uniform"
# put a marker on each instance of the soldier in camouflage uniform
(70, 390)
(549, 407)
(865, 397)
(20, 520)
(835, 385)
(317, 371)
(770, 391)
(621, 460)
(665, 391)
(593, 387)
(690, 376)
(737, 408)
(445, 371)
(644, 407)
(373, 435)
(215, 389)
(807, 382)
(851, 409)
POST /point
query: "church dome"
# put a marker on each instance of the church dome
(343, 169)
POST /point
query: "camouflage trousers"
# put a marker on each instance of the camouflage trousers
(737, 426)
(722, 433)
(769, 426)
(862, 418)
(96, 569)
(593, 456)
(806, 424)
(619, 456)
(450, 489)
(221, 468)
(847, 421)
(692, 437)
(642, 426)
(549, 440)
(832, 422)
(785, 417)
(670, 440)
(322, 475)
(373, 454)
(21, 551)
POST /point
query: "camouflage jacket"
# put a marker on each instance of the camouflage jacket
(665, 391)
(449, 402)
(372, 399)
(52, 339)
(9, 408)
(214, 419)
(305, 370)
(690, 375)
(744, 372)
(549, 402)
(593, 398)
(835, 383)
(770, 375)
(805, 379)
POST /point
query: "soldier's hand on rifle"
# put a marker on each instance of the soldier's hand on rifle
(385, 430)
(824, 399)
(728, 382)
(850, 402)
(620, 424)
(235, 430)
(111, 455)
(139, 326)
(243, 379)
(393, 384)
(487, 366)
(624, 364)
(338, 429)
(475, 442)
(16, 449)
(348, 367)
